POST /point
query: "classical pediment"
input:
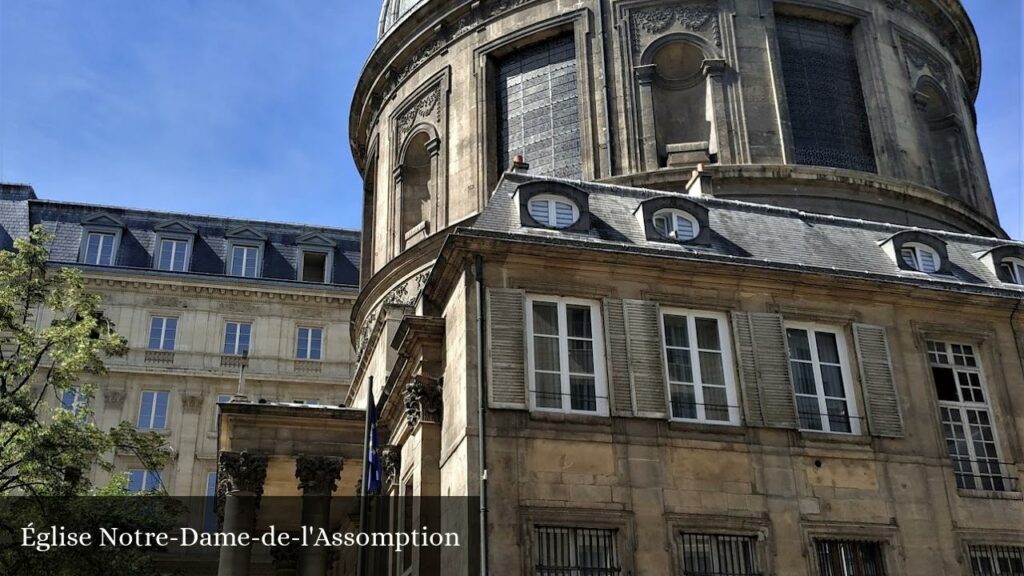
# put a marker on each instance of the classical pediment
(246, 233)
(176, 227)
(102, 219)
(315, 239)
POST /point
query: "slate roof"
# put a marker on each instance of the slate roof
(750, 234)
(138, 237)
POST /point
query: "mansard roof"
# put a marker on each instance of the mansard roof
(745, 233)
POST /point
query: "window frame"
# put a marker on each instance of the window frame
(115, 243)
(573, 535)
(163, 333)
(845, 357)
(990, 551)
(145, 475)
(238, 332)
(918, 248)
(551, 199)
(728, 364)
(676, 213)
(230, 259)
(78, 400)
(754, 541)
(883, 545)
(153, 410)
(1014, 269)
(159, 251)
(963, 407)
(328, 264)
(597, 331)
(309, 340)
(210, 502)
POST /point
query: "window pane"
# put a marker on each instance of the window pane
(165, 259)
(244, 330)
(838, 416)
(301, 347)
(832, 381)
(135, 479)
(146, 411)
(803, 377)
(160, 411)
(809, 413)
(578, 321)
(549, 390)
(583, 393)
(707, 334)
(945, 383)
(540, 211)
(676, 333)
(250, 262)
(155, 330)
(546, 356)
(563, 215)
(711, 368)
(716, 403)
(230, 338)
(679, 367)
(684, 228)
(828, 347)
(684, 401)
(799, 347)
(545, 318)
(581, 356)
(316, 338)
(106, 250)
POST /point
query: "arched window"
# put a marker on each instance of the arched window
(553, 211)
(676, 224)
(947, 167)
(920, 257)
(418, 181)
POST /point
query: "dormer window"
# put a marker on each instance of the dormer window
(553, 211)
(918, 251)
(315, 258)
(920, 257)
(173, 251)
(99, 249)
(244, 252)
(244, 260)
(676, 224)
(1013, 268)
(101, 236)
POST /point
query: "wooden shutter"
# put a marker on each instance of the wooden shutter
(764, 370)
(876, 376)
(505, 338)
(618, 359)
(643, 336)
(747, 366)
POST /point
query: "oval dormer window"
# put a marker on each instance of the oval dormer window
(920, 257)
(553, 211)
(676, 224)
(1014, 269)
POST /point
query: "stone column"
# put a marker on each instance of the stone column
(648, 135)
(241, 476)
(318, 477)
(438, 210)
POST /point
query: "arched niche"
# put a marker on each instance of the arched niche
(416, 181)
(946, 162)
(679, 78)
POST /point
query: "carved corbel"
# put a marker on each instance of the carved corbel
(422, 400)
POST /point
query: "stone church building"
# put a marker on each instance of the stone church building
(688, 287)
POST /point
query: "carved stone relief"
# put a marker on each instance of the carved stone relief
(650, 22)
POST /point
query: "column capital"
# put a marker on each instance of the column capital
(318, 473)
(242, 472)
(422, 399)
(390, 462)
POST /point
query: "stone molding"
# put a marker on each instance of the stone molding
(318, 473)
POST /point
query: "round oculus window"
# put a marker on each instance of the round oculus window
(676, 224)
(920, 257)
(553, 211)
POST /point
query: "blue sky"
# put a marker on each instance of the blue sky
(239, 107)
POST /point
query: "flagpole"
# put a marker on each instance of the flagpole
(365, 486)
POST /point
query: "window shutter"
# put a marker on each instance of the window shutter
(771, 356)
(747, 368)
(618, 359)
(505, 338)
(764, 369)
(643, 337)
(876, 377)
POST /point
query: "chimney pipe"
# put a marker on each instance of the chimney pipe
(519, 165)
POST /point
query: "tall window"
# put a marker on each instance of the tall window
(996, 560)
(827, 115)
(236, 337)
(153, 410)
(699, 367)
(576, 551)
(72, 400)
(717, 555)
(308, 343)
(143, 481)
(849, 558)
(99, 249)
(538, 108)
(244, 260)
(966, 418)
(162, 333)
(821, 380)
(566, 355)
(173, 255)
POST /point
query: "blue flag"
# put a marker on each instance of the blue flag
(375, 472)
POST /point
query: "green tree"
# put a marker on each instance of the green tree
(53, 340)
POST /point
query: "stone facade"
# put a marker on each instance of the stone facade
(686, 107)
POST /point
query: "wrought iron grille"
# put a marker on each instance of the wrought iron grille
(576, 552)
(996, 560)
(717, 555)
(827, 115)
(849, 558)
(538, 108)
